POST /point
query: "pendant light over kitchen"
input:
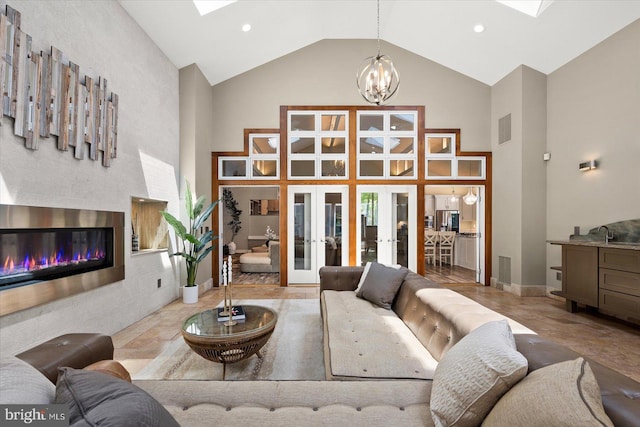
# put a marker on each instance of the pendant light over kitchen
(453, 198)
(377, 78)
(470, 198)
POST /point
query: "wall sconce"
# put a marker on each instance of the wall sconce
(588, 165)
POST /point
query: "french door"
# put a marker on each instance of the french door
(319, 233)
(387, 225)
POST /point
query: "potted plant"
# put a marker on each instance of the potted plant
(195, 245)
(231, 205)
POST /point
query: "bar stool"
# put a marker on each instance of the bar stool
(430, 241)
(445, 249)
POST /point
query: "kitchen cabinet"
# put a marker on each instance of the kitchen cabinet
(467, 212)
(429, 205)
(444, 203)
(465, 252)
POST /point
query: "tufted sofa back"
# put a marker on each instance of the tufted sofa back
(440, 317)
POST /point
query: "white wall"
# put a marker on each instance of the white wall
(99, 36)
(594, 113)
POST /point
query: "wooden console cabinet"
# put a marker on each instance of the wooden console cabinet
(602, 277)
(580, 276)
(619, 282)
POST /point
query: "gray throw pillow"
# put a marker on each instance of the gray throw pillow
(564, 394)
(474, 374)
(381, 284)
(98, 399)
(21, 383)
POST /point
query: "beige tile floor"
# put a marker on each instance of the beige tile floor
(608, 341)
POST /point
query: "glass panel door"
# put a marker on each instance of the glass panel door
(387, 225)
(318, 236)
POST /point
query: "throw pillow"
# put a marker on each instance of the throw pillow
(563, 394)
(381, 284)
(473, 375)
(21, 383)
(365, 272)
(100, 399)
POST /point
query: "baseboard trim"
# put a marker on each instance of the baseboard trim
(520, 290)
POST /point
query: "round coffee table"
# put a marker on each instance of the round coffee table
(214, 341)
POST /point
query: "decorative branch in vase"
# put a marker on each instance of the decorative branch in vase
(231, 206)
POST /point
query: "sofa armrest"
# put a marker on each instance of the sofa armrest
(340, 278)
(72, 350)
(110, 367)
(620, 394)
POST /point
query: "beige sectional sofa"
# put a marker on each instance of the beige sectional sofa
(379, 366)
(364, 341)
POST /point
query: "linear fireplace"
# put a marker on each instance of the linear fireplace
(51, 253)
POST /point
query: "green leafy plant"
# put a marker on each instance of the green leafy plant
(231, 205)
(195, 245)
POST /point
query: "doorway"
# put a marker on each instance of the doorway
(457, 208)
(387, 226)
(318, 234)
(259, 208)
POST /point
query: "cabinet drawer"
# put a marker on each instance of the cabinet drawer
(622, 306)
(620, 281)
(620, 259)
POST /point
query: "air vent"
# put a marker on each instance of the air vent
(504, 270)
(504, 129)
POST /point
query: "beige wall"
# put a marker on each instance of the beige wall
(102, 37)
(534, 177)
(324, 74)
(506, 98)
(196, 104)
(519, 177)
(594, 113)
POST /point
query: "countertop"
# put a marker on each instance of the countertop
(634, 246)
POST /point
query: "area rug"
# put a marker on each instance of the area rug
(294, 351)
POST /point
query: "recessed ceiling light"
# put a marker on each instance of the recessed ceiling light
(208, 6)
(478, 28)
(246, 27)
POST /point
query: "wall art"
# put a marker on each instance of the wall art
(46, 95)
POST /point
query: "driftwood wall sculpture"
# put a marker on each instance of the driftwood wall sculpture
(46, 96)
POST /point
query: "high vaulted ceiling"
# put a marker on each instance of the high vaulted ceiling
(440, 30)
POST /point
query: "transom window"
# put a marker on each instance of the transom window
(318, 144)
(387, 144)
(442, 162)
(263, 161)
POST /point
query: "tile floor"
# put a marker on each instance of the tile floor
(610, 342)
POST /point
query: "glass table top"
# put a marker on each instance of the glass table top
(206, 325)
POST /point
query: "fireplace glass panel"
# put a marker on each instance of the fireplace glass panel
(35, 254)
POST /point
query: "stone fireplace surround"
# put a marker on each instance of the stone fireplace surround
(16, 217)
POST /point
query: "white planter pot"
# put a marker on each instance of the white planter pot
(232, 247)
(190, 294)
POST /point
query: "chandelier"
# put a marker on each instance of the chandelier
(470, 198)
(377, 78)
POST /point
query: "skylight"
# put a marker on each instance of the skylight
(208, 6)
(530, 7)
